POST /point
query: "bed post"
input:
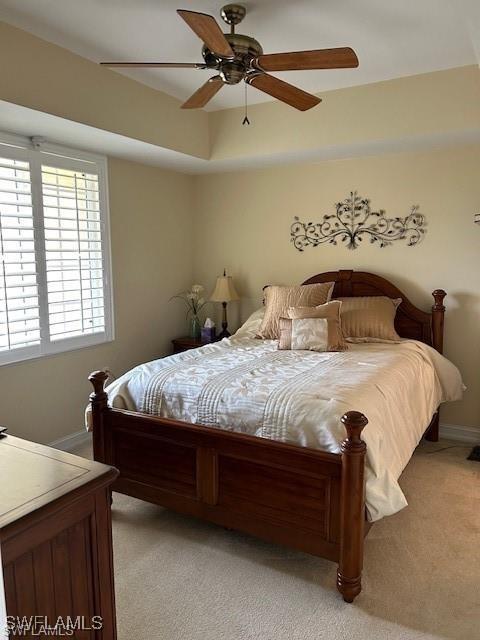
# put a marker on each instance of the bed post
(438, 317)
(99, 404)
(352, 507)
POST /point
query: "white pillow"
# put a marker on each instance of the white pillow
(251, 326)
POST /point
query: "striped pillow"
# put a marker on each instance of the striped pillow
(369, 318)
(279, 299)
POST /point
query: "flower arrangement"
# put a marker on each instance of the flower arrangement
(194, 301)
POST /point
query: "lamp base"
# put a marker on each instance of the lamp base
(224, 333)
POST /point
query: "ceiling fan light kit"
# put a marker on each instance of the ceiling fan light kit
(236, 58)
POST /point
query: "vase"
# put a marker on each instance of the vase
(195, 327)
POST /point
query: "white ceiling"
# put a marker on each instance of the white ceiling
(392, 38)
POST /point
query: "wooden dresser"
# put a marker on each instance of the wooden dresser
(56, 540)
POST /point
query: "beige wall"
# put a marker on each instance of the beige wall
(243, 222)
(150, 216)
(430, 104)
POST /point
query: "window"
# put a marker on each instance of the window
(55, 282)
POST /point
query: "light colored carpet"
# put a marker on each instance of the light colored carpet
(181, 579)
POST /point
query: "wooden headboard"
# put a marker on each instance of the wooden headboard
(410, 321)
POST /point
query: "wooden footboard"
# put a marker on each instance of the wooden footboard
(298, 497)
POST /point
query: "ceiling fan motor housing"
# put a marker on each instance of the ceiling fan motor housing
(233, 71)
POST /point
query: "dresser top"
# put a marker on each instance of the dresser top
(33, 475)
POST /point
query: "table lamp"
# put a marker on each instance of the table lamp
(224, 292)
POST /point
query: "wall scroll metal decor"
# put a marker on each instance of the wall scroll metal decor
(353, 221)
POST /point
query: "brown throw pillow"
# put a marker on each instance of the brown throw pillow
(313, 328)
(279, 299)
(369, 317)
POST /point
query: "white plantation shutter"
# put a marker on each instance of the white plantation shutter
(19, 309)
(55, 291)
(73, 252)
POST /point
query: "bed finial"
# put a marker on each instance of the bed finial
(439, 295)
(352, 507)
(98, 379)
(354, 422)
(99, 404)
(438, 316)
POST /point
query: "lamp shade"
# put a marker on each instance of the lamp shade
(224, 290)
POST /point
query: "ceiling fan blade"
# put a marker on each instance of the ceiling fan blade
(283, 91)
(204, 94)
(208, 30)
(340, 58)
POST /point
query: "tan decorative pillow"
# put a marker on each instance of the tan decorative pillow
(329, 330)
(279, 299)
(369, 317)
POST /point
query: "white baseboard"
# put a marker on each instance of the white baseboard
(468, 435)
(74, 440)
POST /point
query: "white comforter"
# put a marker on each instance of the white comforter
(248, 385)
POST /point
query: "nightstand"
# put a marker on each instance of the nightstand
(184, 344)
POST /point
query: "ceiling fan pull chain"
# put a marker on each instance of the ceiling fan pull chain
(246, 120)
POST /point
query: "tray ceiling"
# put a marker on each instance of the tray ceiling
(392, 39)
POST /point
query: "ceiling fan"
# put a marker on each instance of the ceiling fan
(237, 57)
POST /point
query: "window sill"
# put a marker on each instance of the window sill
(19, 358)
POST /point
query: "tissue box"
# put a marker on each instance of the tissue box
(208, 334)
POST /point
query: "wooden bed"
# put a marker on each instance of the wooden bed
(294, 496)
